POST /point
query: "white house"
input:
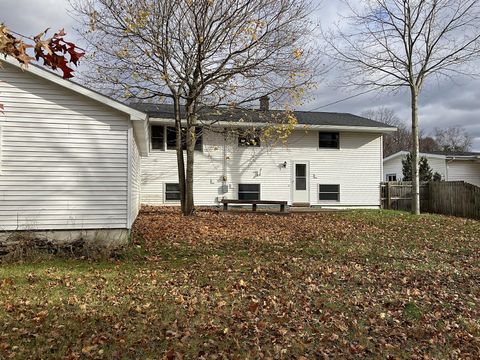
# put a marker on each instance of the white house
(72, 159)
(329, 160)
(69, 157)
(459, 166)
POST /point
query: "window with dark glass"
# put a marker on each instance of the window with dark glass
(172, 192)
(198, 139)
(249, 138)
(248, 191)
(329, 140)
(391, 177)
(157, 135)
(172, 138)
(329, 192)
(300, 176)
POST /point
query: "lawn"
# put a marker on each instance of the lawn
(335, 285)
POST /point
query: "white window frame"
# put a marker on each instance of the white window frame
(164, 140)
(165, 192)
(259, 190)
(329, 192)
(330, 148)
(165, 146)
(392, 174)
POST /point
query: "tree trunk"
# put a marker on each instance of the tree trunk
(178, 147)
(190, 139)
(415, 153)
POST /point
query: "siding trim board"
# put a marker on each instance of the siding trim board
(129, 169)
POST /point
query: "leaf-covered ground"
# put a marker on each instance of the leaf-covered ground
(328, 285)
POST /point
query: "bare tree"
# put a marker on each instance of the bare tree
(199, 54)
(428, 144)
(392, 142)
(453, 139)
(390, 44)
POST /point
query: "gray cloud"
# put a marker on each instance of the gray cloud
(31, 17)
(442, 104)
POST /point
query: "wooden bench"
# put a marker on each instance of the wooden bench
(254, 203)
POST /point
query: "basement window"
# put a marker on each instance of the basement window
(248, 191)
(172, 192)
(329, 140)
(172, 138)
(329, 192)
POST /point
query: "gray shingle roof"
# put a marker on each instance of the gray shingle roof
(165, 111)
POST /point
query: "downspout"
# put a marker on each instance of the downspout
(381, 159)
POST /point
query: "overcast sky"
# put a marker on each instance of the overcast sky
(443, 104)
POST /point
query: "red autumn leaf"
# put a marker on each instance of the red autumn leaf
(55, 51)
(67, 72)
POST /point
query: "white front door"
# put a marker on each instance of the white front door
(301, 182)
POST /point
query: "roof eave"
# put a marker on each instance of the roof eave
(463, 157)
(404, 153)
(168, 121)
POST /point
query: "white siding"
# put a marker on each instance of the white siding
(394, 166)
(64, 157)
(135, 181)
(467, 171)
(356, 167)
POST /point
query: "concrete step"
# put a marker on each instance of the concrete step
(303, 205)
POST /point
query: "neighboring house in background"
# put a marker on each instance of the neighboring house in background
(458, 166)
(74, 160)
(329, 160)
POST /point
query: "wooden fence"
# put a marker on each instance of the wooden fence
(455, 198)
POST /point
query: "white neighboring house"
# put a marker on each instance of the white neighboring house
(77, 162)
(459, 166)
(69, 157)
(329, 160)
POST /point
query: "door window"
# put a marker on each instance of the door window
(300, 176)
